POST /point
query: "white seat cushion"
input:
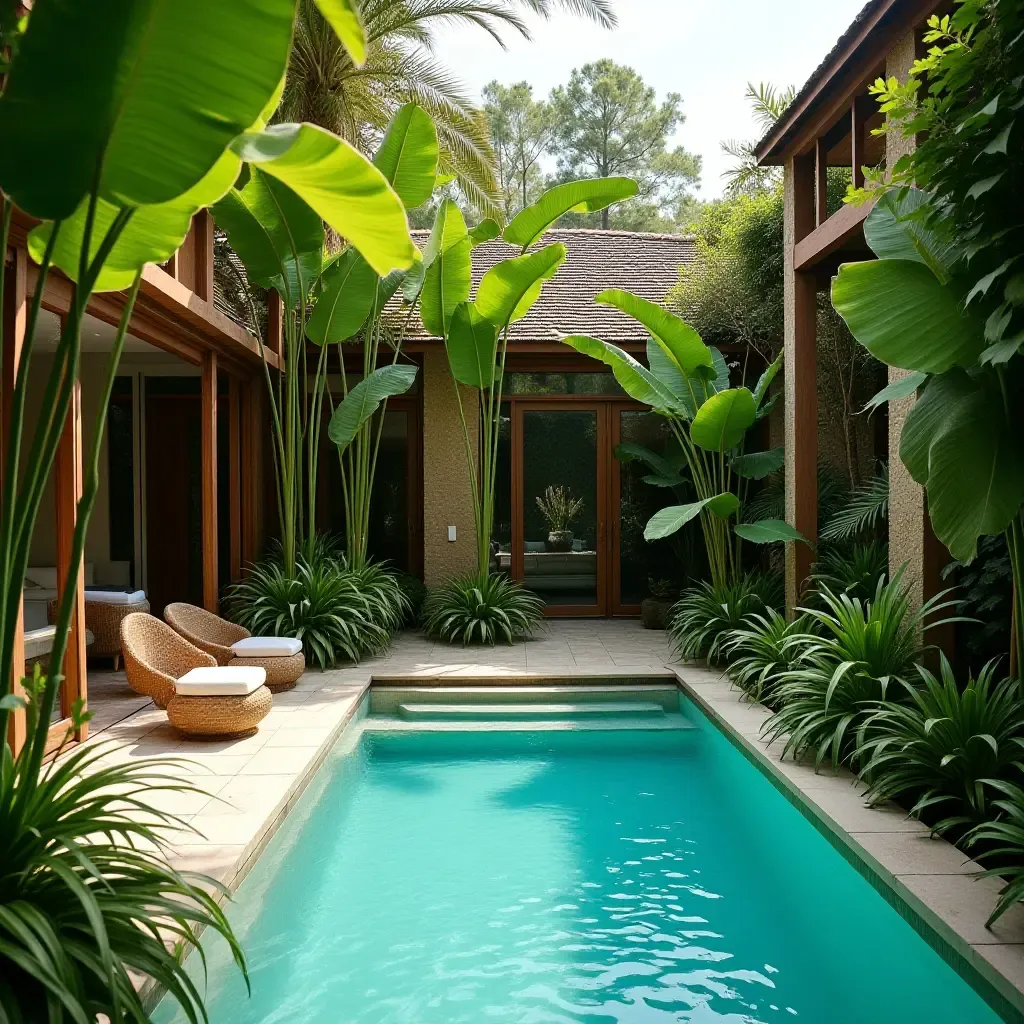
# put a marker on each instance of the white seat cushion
(115, 596)
(221, 681)
(266, 647)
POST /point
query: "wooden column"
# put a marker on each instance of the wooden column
(15, 312)
(202, 229)
(68, 476)
(800, 378)
(208, 443)
(820, 183)
(251, 486)
(235, 463)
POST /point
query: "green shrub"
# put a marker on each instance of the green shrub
(941, 745)
(381, 586)
(1005, 840)
(470, 610)
(86, 893)
(855, 571)
(415, 592)
(701, 619)
(761, 650)
(865, 654)
(323, 605)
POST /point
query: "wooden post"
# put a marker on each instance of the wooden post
(68, 479)
(15, 313)
(235, 463)
(820, 183)
(858, 131)
(800, 378)
(202, 229)
(208, 444)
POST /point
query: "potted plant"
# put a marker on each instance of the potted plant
(654, 609)
(559, 508)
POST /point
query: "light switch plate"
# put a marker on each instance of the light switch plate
(451, 533)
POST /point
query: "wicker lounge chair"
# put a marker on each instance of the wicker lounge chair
(216, 636)
(104, 622)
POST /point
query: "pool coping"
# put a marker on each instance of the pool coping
(998, 990)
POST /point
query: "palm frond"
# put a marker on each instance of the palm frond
(866, 510)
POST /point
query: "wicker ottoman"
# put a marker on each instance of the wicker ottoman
(223, 701)
(281, 657)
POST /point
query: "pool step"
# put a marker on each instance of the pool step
(529, 711)
(388, 699)
(673, 722)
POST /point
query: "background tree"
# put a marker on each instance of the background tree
(608, 122)
(521, 129)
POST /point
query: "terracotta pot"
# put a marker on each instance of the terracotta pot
(654, 612)
(559, 540)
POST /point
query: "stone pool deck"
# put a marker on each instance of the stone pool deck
(253, 783)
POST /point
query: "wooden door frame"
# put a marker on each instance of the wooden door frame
(615, 409)
(603, 453)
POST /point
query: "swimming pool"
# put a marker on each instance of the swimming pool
(605, 877)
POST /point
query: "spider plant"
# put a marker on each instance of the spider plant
(1007, 834)
(855, 571)
(761, 650)
(865, 654)
(483, 611)
(703, 617)
(939, 746)
(87, 896)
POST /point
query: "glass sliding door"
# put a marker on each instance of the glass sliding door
(560, 493)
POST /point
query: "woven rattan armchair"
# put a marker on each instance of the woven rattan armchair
(155, 657)
(205, 630)
(104, 622)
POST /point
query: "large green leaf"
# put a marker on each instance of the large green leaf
(757, 465)
(720, 381)
(408, 155)
(675, 517)
(151, 91)
(688, 392)
(585, 196)
(769, 531)
(764, 382)
(484, 231)
(447, 258)
(682, 344)
(896, 230)
(638, 382)
(346, 298)
(344, 188)
(939, 398)
(472, 348)
(902, 387)
(343, 17)
(510, 287)
(365, 399)
(276, 235)
(723, 419)
(629, 451)
(900, 312)
(153, 234)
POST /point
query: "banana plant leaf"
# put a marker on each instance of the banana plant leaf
(484, 231)
(343, 17)
(472, 347)
(585, 196)
(345, 301)
(769, 531)
(365, 399)
(723, 419)
(902, 387)
(636, 380)
(447, 262)
(508, 290)
(89, 89)
(898, 228)
(341, 185)
(904, 316)
(764, 382)
(757, 465)
(672, 519)
(407, 156)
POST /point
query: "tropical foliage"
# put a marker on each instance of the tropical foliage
(481, 610)
(855, 570)
(1002, 840)
(761, 649)
(864, 511)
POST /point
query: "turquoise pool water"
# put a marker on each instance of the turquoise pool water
(584, 877)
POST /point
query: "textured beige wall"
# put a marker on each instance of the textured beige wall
(789, 385)
(906, 499)
(447, 490)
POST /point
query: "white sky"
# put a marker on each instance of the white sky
(706, 50)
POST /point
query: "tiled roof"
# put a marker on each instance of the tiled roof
(647, 264)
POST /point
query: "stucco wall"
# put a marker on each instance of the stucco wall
(447, 490)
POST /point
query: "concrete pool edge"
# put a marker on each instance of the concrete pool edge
(998, 990)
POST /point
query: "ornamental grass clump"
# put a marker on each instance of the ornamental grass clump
(937, 749)
(559, 508)
(855, 571)
(865, 653)
(86, 892)
(1004, 839)
(762, 650)
(470, 610)
(703, 617)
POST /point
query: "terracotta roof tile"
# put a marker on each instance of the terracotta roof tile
(640, 262)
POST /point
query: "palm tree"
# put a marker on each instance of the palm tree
(745, 176)
(326, 88)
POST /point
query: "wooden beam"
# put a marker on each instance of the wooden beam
(235, 463)
(15, 313)
(845, 224)
(68, 479)
(858, 139)
(208, 472)
(820, 183)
